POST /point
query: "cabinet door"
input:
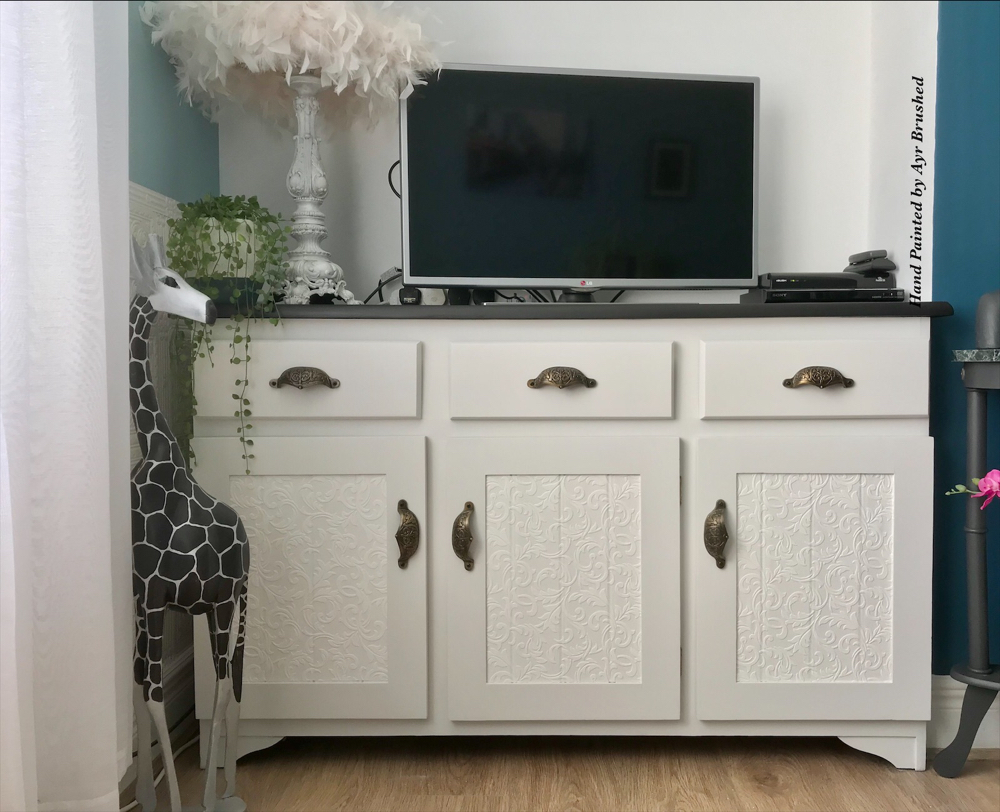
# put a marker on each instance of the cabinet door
(336, 629)
(822, 609)
(571, 607)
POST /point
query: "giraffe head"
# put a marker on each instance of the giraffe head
(166, 290)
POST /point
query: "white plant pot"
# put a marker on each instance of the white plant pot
(245, 242)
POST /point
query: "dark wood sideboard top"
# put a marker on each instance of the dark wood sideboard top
(505, 312)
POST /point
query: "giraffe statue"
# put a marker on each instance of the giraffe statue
(189, 551)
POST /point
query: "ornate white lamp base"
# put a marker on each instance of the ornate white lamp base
(311, 272)
(299, 288)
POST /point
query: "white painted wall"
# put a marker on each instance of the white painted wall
(817, 62)
(904, 38)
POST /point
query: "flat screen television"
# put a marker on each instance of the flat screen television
(516, 178)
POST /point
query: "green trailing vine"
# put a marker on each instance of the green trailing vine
(233, 250)
(182, 402)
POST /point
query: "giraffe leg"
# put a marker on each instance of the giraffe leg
(220, 625)
(154, 701)
(223, 692)
(232, 745)
(145, 788)
(233, 715)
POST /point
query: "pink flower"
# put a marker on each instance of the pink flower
(989, 486)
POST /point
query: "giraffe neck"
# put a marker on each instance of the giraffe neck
(156, 441)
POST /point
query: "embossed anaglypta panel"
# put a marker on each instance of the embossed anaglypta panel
(814, 555)
(317, 603)
(562, 579)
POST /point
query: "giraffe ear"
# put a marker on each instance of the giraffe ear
(154, 249)
(140, 270)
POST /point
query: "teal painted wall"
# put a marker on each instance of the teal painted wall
(966, 265)
(173, 148)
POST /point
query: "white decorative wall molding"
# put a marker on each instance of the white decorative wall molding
(317, 602)
(946, 709)
(149, 212)
(563, 579)
(815, 577)
(178, 685)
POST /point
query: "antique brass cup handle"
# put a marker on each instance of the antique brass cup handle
(301, 377)
(561, 377)
(820, 377)
(716, 534)
(408, 534)
(461, 535)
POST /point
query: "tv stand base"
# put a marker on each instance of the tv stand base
(574, 296)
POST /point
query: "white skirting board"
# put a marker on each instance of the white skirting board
(946, 708)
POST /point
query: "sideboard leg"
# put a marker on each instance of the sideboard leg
(903, 752)
(950, 761)
(251, 744)
(248, 744)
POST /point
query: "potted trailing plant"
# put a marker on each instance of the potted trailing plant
(232, 249)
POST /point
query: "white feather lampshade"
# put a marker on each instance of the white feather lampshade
(365, 54)
(294, 61)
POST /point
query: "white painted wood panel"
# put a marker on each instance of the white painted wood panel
(378, 379)
(833, 623)
(576, 617)
(335, 628)
(745, 379)
(490, 380)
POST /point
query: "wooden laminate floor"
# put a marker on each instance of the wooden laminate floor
(557, 774)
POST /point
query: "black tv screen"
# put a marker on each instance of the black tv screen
(528, 178)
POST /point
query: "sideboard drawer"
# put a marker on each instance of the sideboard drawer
(760, 379)
(373, 379)
(617, 380)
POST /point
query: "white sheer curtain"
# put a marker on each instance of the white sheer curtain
(60, 714)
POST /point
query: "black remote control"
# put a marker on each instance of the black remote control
(872, 267)
(866, 256)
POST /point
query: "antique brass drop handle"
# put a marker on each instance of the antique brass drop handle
(561, 377)
(820, 377)
(461, 535)
(408, 534)
(716, 534)
(301, 377)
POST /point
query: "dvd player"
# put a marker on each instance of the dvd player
(836, 295)
(843, 280)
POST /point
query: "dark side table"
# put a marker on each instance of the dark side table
(980, 373)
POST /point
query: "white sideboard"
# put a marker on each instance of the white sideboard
(587, 603)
